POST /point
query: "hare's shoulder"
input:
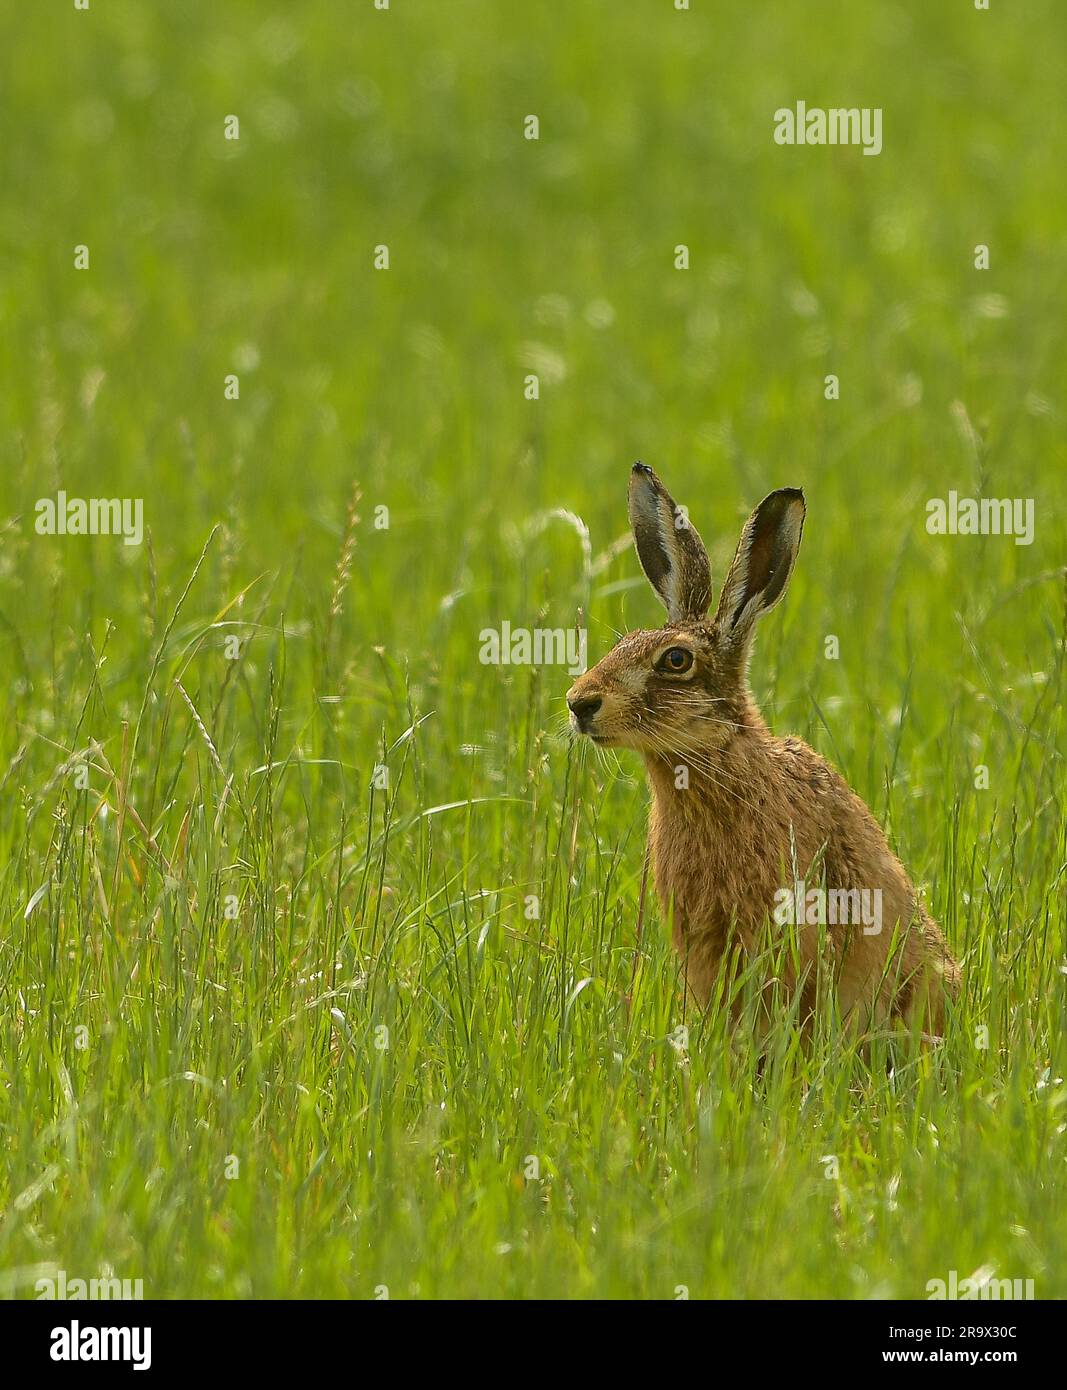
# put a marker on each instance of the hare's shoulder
(854, 845)
(800, 762)
(818, 791)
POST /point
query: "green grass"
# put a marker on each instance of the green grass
(407, 1165)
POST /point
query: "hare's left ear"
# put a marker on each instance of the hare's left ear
(669, 547)
(763, 563)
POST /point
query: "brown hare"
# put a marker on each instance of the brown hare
(745, 828)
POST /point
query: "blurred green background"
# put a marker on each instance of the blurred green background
(507, 257)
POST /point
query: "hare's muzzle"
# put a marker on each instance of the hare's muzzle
(583, 710)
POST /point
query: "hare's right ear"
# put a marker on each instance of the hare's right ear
(669, 547)
(763, 563)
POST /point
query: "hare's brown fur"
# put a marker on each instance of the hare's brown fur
(738, 814)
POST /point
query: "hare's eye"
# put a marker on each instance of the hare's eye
(676, 660)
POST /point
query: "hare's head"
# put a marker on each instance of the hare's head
(684, 685)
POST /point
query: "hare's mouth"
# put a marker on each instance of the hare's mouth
(605, 739)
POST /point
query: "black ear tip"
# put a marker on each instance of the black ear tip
(640, 467)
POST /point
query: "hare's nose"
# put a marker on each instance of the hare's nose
(585, 706)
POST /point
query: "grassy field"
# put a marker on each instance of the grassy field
(275, 1024)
